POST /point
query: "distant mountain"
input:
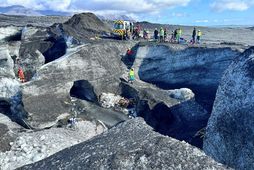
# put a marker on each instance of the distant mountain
(112, 17)
(19, 10)
(55, 13)
(251, 28)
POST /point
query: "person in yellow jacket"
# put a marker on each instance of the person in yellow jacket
(161, 35)
(179, 33)
(199, 36)
(131, 75)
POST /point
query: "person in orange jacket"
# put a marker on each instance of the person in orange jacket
(21, 75)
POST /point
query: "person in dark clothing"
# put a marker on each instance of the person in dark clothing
(165, 34)
(131, 28)
(175, 33)
(156, 32)
(172, 39)
(194, 33)
(135, 34)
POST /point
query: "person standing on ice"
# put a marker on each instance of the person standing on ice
(131, 76)
(178, 35)
(194, 36)
(199, 36)
(156, 32)
(161, 35)
(165, 34)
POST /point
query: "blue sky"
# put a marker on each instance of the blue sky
(201, 12)
(183, 12)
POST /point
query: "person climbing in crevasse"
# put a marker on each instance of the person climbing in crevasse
(21, 75)
(131, 76)
(129, 52)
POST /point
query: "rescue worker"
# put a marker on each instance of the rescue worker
(161, 34)
(131, 75)
(199, 36)
(194, 36)
(129, 52)
(21, 75)
(156, 32)
(180, 33)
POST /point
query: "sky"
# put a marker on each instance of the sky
(182, 12)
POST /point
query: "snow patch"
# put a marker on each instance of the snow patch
(182, 94)
(30, 147)
(109, 100)
(8, 31)
(8, 87)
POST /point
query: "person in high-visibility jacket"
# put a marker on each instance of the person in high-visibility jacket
(131, 75)
(161, 34)
(178, 35)
(21, 75)
(180, 32)
(199, 36)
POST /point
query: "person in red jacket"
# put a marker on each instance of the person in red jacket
(129, 52)
(21, 75)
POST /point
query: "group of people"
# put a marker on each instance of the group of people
(160, 35)
(196, 36)
(133, 32)
(176, 36)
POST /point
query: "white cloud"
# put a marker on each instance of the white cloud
(179, 14)
(202, 21)
(234, 5)
(127, 6)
